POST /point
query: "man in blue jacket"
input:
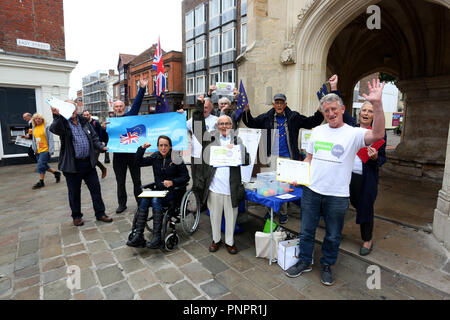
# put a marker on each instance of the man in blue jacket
(123, 160)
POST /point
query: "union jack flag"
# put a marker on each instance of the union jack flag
(129, 138)
(158, 66)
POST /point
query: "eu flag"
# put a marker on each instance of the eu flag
(162, 105)
(242, 101)
(139, 129)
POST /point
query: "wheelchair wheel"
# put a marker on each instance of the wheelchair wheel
(190, 212)
(171, 241)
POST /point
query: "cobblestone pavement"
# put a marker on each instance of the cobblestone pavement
(38, 242)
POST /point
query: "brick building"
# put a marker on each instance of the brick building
(214, 35)
(33, 67)
(141, 67)
(123, 65)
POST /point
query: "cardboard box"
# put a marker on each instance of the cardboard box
(288, 252)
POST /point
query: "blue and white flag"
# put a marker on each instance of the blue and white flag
(126, 134)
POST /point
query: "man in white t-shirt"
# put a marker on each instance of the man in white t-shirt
(331, 151)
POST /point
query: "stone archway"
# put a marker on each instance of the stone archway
(427, 86)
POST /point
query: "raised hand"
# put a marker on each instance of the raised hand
(200, 98)
(333, 82)
(143, 83)
(180, 110)
(146, 145)
(211, 89)
(375, 91)
(55, 111)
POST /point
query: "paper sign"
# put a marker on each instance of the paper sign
(250, 139)
(224, 88)
(66, 109)
(293, 171)
(306, 134)
(153, 194)
(23, 142)
(225, 157)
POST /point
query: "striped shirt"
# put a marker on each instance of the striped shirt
(80, 141)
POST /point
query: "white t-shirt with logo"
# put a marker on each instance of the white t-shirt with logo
(196, 147)
(333, 155)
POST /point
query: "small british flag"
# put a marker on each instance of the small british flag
(129, 138)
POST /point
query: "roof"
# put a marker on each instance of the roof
(126, 58)
(146, 55)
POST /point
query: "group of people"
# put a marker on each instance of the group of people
(332, 152)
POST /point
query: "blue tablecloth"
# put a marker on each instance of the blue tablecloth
(272, 202)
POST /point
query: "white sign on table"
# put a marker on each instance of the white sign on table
(250, 138)
(225, 157)
(224, 88)
(306, 134)
(293, 171)
(66, 109)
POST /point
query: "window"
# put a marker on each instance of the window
(228, 4)
(243, 34)
(190, 54)
(200, 50)
(122, 74)
(228, 75)
(190, 90)
(214, 8)
(228, 40)
(189, 22)
(214, 78)
(137, 86)
(199, 15)
(200, 84)
(214, 45)
(166, 76)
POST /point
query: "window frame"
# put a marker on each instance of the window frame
(192, 12)
(219, 44)
(193, 53)
(233, 32)
(228, 8)
(190, 93)
(203, 49)
(219, 6)
(233, 75)
(215, 73)
(197, 87)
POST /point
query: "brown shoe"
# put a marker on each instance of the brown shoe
(214, 246)
(78, 222)
(105, 218)
(231, 249)
(103, 173)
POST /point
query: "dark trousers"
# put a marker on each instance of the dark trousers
(366, 229)
(89, 175)
(31, 154)
(122, 161)
(98, 163)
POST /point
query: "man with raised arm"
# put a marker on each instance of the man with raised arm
(331, 151)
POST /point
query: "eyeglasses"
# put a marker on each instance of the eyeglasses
(224, 123)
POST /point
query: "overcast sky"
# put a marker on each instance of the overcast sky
(97, 31)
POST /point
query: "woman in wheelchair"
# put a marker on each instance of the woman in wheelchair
(168, 175)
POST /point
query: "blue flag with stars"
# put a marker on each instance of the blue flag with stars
(242, 101)
(162, 105)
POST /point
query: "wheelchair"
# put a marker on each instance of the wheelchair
(185, 212)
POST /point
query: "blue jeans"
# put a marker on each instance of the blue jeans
(156, 203)
(42, 162)
(333, 210)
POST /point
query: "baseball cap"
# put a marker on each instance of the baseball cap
(279, 96)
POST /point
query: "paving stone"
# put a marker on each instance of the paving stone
(26, 261)
(195, 250)
(141, 279)
(317, 291)
(27, 272)
(27, 247)
(112, 237)
(25, 283)
(169, 275)
(91, 234)
(240, 265)
(102, 259)
(157, 261)
(132, 265)
(351, 292)
(57, 291)
(87, 279)
(125, 253)
(154, 293)
(228, 296)
(196, 272)
(107, 227)
(71, 239)
(28, 294)
(213, 264)
(8, 240)
(229, 278)
(7, 269)
(11, 249)
(109, 275)
(7, 258)
(53, 264)
(214, 289)
(96, 246)
(78, 248)
(51, 251)
(184, 291)
(89, 294)
(118, 244)
(179, 258)
(5, 285)
(53, 275)
(81, 260)
(123, 226)
(262, 279)
(246, 290)
(286, 292)
(119, 291)
(417, 291)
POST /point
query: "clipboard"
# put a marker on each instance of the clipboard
(291, 170)
(153, 194)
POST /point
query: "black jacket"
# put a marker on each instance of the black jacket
(60, 126)
(102, 134)
(295, 121)
(236, 187)
(163, 168)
